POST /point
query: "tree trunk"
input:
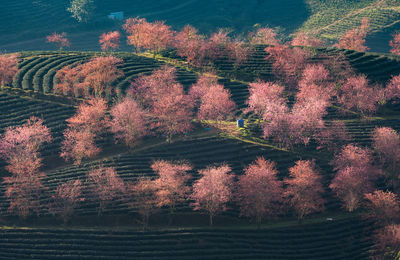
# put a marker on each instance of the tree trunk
(211, 220)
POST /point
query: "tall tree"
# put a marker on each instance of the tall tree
(24, 192)
(287, 62)
(110, 41)
(304, 189)
(20, 146)
(392, 90)
(106, 186)
(8, 68)
(356, 175)
(154, 36)
(386, 143)
(304, 39)
(395, 44)
(387, 242)
(263, 35)
(170, 107)
(81, 10)
(171, 184)
(59, 39)
(259, 192)
(213, 190)
(383, 207)
(129, 121)
(191, 45)
(144, 199)
(84, 128)
(215, 102)
(99, 74)
(66, 198)
(357, 94)
(354, 39)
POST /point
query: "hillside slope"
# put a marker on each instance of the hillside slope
(24, 24)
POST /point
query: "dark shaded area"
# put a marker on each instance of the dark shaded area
(24, 24)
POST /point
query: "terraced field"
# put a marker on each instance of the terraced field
(340, 239)
(15, 110)
(346, 237)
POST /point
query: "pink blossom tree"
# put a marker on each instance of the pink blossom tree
(267, 99)
(24, 192)
(191, 45)
(170, 107)
(213, 190)
(129, 121)
(171, 184)
(217, 45)
(383, 206)
(8, 68)
(134, 27)
(20, 146)
(392, 90)
(355, 176)
(238, 52)
(259, 192)
(144, 199)
(66, 79)
(356, 94)
(154, 36)
(106, 186)
(395, 44)
(354, 39)
(264, 35)
(386, 143)
(287, 62)
(110, 41)
(216, 104)
(304, 39)
(66, 198)
(59, 39)
(387, 242)
(83, 129)
(315, 83)
(304, 189)
(98, 75)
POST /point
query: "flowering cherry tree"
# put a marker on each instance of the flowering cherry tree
(304, 189)
(171, 184)
(110, 41)
(129, 121)
(355, 176)
(354, 39)
(8, 68)
(357, 94)
(214, 100)
(287, 62)
(144, 199)
(383, 206)
(386, 143)
(259, 192)
(213, 190)
(24, 192)
(20, 146)
(170, 108)
(83, 129)
(264, 35)
(395, 44)
(106, 186)
(66, 198)
(303, 39)
(59, 39)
